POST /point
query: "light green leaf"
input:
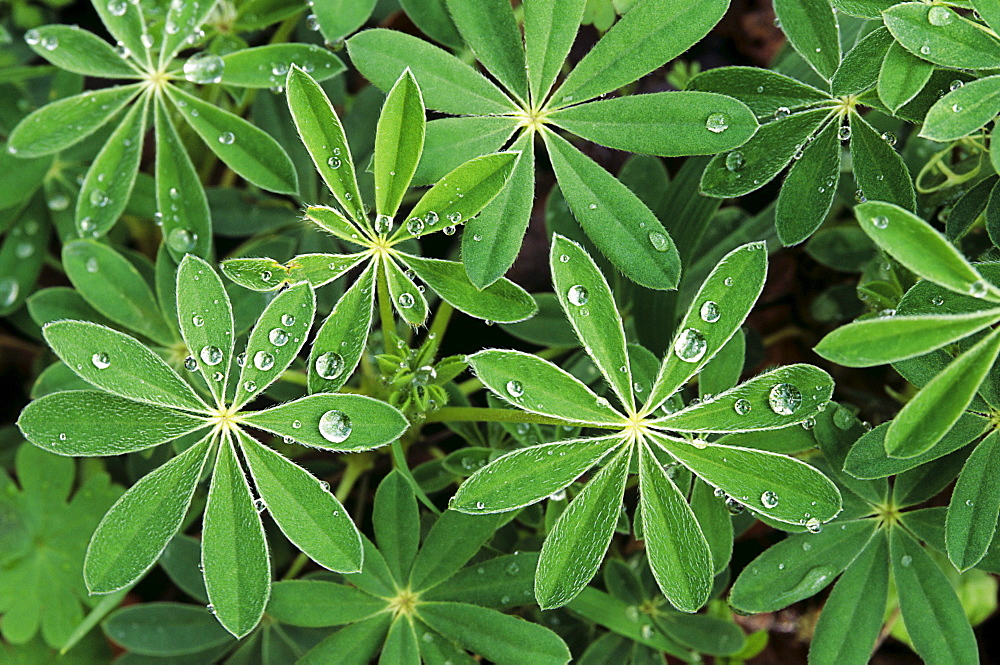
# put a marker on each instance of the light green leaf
(407, 299)
(266, 66)
(401, 646)
(550, 28)
(85, 423)
(396, 521)
(452, 541)
(256, 274)
(650, 34)
(622, 227)
(963, 110)
(315, 604)
(82, 52)
(448, 84)
(775, 399)
(275, 340)
(321, 269)
(347, 423)
(716, 313)
(812, 29)
(538, 386)
(126, 24)
(309, 516)
(180, 197)
(323, 135)
(925, 419)
(859, 70)
(617, 616)
(989, 11)
(902, 76)
(248, 151)
(575, 547)
(434, 20)
(938, 34)
(523, 477)
(491, 31)
(206, 320)
(120, 364)
(586, 297)
(760, 159)
(878, 169)
(933, 615)
(183, 20)
(678, 552)
(922, 249)
(505, 581)
(975, 504)
(780, 487)
(399, 140)
(136, 530)
(492, 239)
(852, 617)
(330, 219)
(762, 90)
(502, 301)
(460, 195)
(109, 180)
(892, 338)
(233, 548)
(670, 124)
(807, 193)
(451, 142)
(342, 338)
(339, 18)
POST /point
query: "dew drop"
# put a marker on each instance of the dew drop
(190, 364)
(578, 295)
(937, 301)
(735, 161)
(415, 226)
(515, 389)
(978, 289)
(710, 311)
(50, 43)
(32, 37)
(717, 123)
(333, 162)
(781, 112)
(249, 386)
(211, 355)
(844, 133)
(939, 16)
(227, 138)
(690, 345)
(241, 359)
(329, 365)
(925, 50)
(784, 399)
(889, 138)
(564, 258)
(659, 241)
(204, 68)
(455, 217)
(263, 361)
(278, 336)
(906, 560)
(98, 198)
(880, 221)
(383, 224)
(734, 507)
(181, 240)
(287, 319)
(813, 525)
(259, 505)
(406, 300)
(424, 375)
(101, 360)
(769, 499)
(742, 406)
(480, 506)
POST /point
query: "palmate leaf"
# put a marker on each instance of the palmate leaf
(550, 27)
(206, 321)
(490, 29)
(399, 140)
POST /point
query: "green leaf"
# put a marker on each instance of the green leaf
(902, 76)
(715, 523)
(523, 477)
(538, 386)
(925, 419)
(187, 224)
(354, 645)
(586, 297)
(320, 269)
(963, 110)
(113, 286)
(863, 8)
(502, 301)
(120, 365)
(807, 193)
(989, 11)
(614, 218)
(938, 34)
(878, 169)
(975, 505)
(152, 629)
(127, 27)
(448, 84)
(233, 550)
(183, 21)
(933, 615)
(733, 287)
(347, 423)
(550, 28)
(492, 239)
(84, 423)
(788, 572)
(256, 274)
(650, 34)
(323, 136)
(619, 617)
(206, 321)
(812, 29)
(401, 644)
(669, 124)
(859, 70)
(330, 219)
(309, 516)
(497, 637)
(852, 617)
(136, 530)
(341, 340)
(452, 541)
(678, 552)
(922, 249)
(399, 140)
(315, 604)
(501, 582)
(575, 547)
(275, 340)
(491, 31)
(266, 66)
(22, 255)
(460, 195)
(248, 151)
(762, 90)
(760, 159)
(775, 399)
(407, 299)
(892, 338)
(780, 487)
(339, 18)
(453, 141)
(82, 52)
(180, 562)
(109, 180)
(396, 521)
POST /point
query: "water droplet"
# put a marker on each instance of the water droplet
(32, 37)
(813, 525)
(808, 423)
(925, 50)
(265, 276)
(198, 321)
(211, 355)
(880, 221)
(259, 505)
(781, 112)
(431, 218)
(784, 399)
(578, 295)
(728, 281)
(217, 377)
(889, 138)
(717, 123)
(978, 289)
(204, 68)
(333, 162)
(181, 240)
(449, 230)
(335, 426)
(406, 300)
(278, 336)
(659, 241)
(62, 436)
(101, 360)
(263, 361)
(742, 406)
(227, 138)
(477, 237)
(190, 364)
(455, 217)
(312, 23)
(735, 161)
(515, 389)
(859, 196)
(414, 226)
(241, 359)
(58, 202)
(970, 503)
(564, 259)
(98, 198)
(906, 560)
(647, 632)
(734, 507)
(844, 133)
(50, 43)
(383, 224)
(939, 16)
(480, 506)
(329, 365)
(424, 375)
(769, 499)
(956, 108)
(937, 301)
(710, 311)
(690, 345)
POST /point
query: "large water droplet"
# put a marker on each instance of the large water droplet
(32, 37)
(690, 345)
(101, 360)
(578, 295)
(204, 68)
(742, 406)
(939, 16)
(784, 399)
(880, 221)
(287, 319)
(710, 311)
(117, 7)
(211, 355)
(335, 426)
(278, 336)
(406, 300)
(659, 241)
(515, 389)
(181, 240)
(329, 365)
(383, 224)
(735, 161)
(769, 499)
(717, 123)
(263, 361)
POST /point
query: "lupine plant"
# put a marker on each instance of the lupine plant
(350, 331)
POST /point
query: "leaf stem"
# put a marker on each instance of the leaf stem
(384, 307)
(399, 462)
(438, 327)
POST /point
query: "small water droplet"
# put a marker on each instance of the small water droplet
(742, 406)
(455, 217)
(564, 259)
(717, 123)
(784, 399)
(880, 221)
(844, 133)
(181, 240)
(659, 241)
(906, 560)
(735, 161)
(98, 198)
(190, 364)
(333, 162)
(769, 499)
(578, 295)
(383, 224)
(781, 112)
(480, 506)
(690, 345)
(335, 426)
(925, 50)
(939, 16)
(978, 289)
(259, 505)
(515, 389)
(406, 300)
(808, 423)
(227, 138)
(278, 336)
(937, 301)
(710, 311)
(101, 360)
(32, 37)
(889, 138)
(329, 365)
